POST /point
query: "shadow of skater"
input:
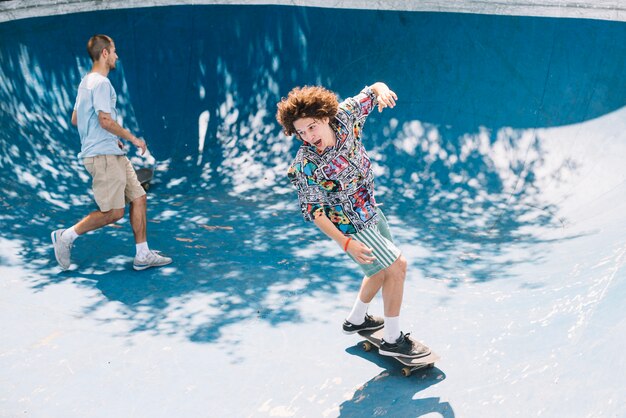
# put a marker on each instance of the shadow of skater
(391, 394)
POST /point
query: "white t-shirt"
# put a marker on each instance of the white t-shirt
(96, 94)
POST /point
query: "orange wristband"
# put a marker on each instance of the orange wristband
(345, 247)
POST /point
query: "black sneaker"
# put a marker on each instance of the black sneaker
(404, 347)
(371, 323)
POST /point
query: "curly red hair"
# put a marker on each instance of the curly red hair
(306, 102)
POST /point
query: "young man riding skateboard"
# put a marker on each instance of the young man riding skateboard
(114, 180)
(335, 183)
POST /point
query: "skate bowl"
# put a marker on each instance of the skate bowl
(500, 170)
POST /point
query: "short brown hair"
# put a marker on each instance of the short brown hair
(97, 44)
(306, 102)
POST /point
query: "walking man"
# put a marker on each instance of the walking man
(114, 180)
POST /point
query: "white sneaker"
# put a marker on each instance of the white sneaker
(62, 249)
(152, 259)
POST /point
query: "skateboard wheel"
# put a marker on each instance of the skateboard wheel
(367, 346)
(406, 371)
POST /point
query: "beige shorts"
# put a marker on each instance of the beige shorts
(114, 181)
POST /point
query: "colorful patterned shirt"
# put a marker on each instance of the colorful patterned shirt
(339, 180)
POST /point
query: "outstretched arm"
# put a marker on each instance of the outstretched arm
(358, 250)
(385, 96)
(106, 122)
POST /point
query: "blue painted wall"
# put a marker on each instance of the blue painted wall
(456, 74)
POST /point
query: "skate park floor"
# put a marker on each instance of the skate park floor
(501, 173)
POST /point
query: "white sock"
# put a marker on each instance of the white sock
(357, 315)
(142, 249)
(69, 235)
(392, 329)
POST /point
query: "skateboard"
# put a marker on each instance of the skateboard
(410, 364)
(144, 175)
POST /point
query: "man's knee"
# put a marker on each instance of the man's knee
(115, 215)
(398, 268)
(402, 263)
(140, 201)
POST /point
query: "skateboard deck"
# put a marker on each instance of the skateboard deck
(410, 364)
(144, 175)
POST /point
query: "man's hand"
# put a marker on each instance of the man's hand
(139, 143)
(361, 252)
(386, 97)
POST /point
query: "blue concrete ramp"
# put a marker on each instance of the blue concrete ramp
(501, 171)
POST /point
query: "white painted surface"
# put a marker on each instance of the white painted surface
(522, 346)
(597, 9)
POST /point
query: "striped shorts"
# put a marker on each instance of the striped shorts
(379, 239)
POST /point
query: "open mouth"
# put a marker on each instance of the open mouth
(318, 143)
